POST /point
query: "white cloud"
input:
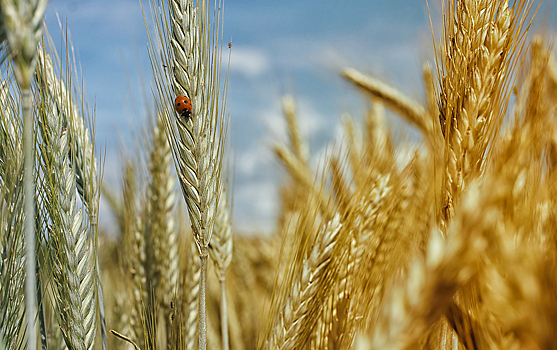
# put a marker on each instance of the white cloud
(248, 61)
(259, 205)
(251, 161)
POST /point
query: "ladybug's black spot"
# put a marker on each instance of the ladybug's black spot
(178, 103)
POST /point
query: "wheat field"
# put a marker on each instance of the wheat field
(454, 248)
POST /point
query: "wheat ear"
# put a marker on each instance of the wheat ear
(379, 150)
(12, 267)
(190, 40)
(197, 141)
(134, 248)
(339, 185)
(285, 333)
(354, 138)
(482, 40)
(427, 293)
(20, 23)
(411, 110)
(297, 144)
(88, 182)
(82, 152)
(70, 250)
(301, 174)
(161, 207)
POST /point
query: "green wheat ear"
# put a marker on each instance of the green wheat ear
(72, 247)
(20, 27)
(12, 266)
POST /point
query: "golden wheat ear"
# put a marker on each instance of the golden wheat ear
(482, 43)
(305, 277)
(408, 108)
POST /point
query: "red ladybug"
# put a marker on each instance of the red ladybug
(182, 105)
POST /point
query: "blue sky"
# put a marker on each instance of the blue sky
(279, 47)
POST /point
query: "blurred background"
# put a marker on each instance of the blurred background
(278, 48)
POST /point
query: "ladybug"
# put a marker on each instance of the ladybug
(182, 105)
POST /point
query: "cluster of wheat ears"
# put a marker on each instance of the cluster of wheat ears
(455, 248)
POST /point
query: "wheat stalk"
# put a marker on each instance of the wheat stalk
(221, 254)
(191, 297)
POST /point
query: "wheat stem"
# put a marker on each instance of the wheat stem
(30, 281)
(221, 254)
(40, 304)
(223, 314)
(191, 296)
(202, 300)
